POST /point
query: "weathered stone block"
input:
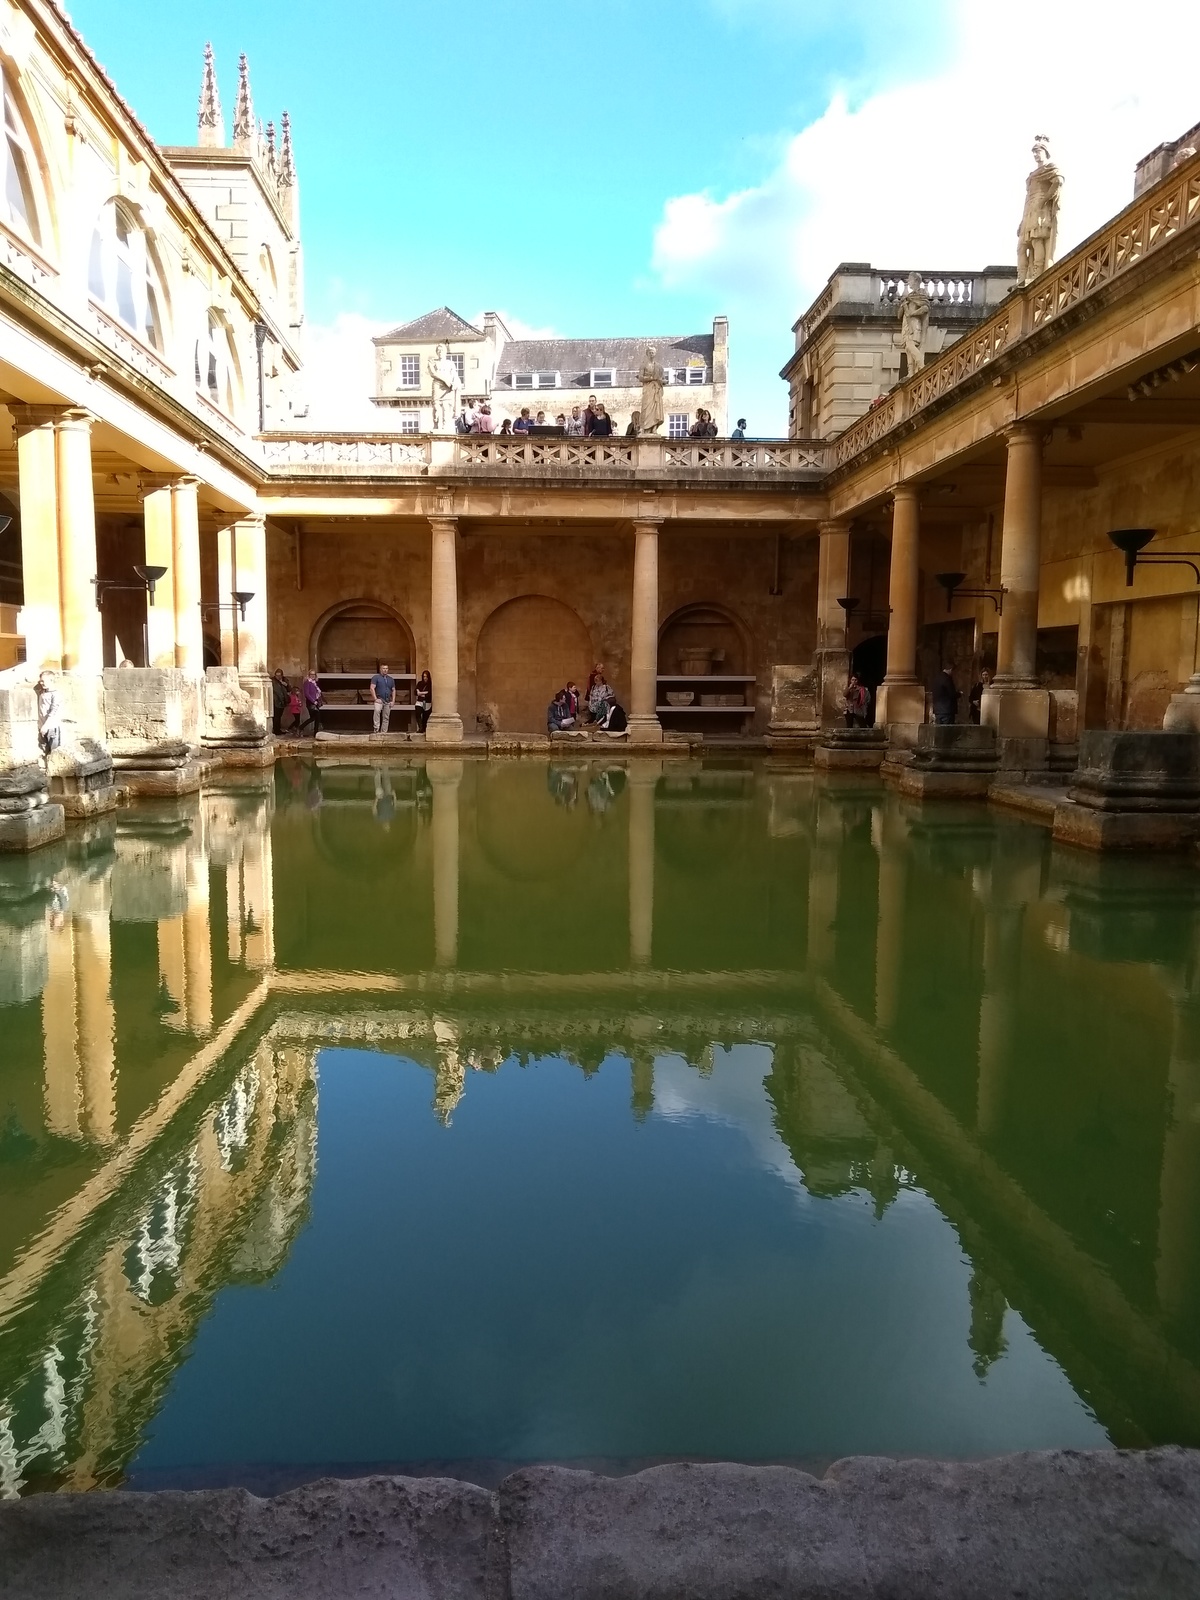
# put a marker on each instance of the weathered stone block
(32, 829)
(1094, 829)
(851, 749)
(231, 715)
(956, 747)
(900, 708)
(795, 700)
(149, 704)
(1016, 713)
(18, 725)
(1138, 771)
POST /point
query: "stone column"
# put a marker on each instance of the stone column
(445, 724)
(1013, 704)
(833, 576)
(184, 595)
(83, 633)
(250, 577)
(644, 726)
(226, 584)
(79, 1033)
(643, 784)
(446, 778)
(900, 705)
(41, 617)
(159, 536)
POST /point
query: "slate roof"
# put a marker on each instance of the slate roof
(574, 358)
(440, 324)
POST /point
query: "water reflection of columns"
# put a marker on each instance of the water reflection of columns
(1012, 882)
(79, 1024)
(888, 835)
(643, 783)
(1177, 1268)
(185, 952)
(446, 778)
(823, 884)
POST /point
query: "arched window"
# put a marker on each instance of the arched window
(123, 276)
(20, 165)
(216, 364)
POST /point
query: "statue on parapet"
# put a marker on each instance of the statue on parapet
(446, 388)
(653, 377)
(914, 322)
(1037, 237)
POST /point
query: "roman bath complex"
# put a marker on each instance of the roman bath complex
(752, 1151)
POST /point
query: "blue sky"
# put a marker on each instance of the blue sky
(642, 166)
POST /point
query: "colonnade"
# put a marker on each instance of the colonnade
(61, 619)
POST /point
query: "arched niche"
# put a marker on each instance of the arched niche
(356, 635)
(528, 649)
(704, 638)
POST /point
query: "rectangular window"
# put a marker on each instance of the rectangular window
(410, 422)
(697, 374)
(535, 380)
(678, 424)
(460, 366)
(522, 380)
(547, 380)
(602, 378)
(410, 372)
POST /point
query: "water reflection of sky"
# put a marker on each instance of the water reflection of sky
(550, 1278)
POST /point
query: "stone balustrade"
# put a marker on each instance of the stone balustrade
(419, 455)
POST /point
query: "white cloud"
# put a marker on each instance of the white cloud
(340, 374)
(930, 173)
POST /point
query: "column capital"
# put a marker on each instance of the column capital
(443, 520)
(26, 418)
(647, 524)
(834, 525)
(1025, 432)
(910, 493)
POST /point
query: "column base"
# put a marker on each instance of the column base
(1183, 710)
(444, 728)
(30, 830)
(900, 708)
(645, 730)
(1016, 712)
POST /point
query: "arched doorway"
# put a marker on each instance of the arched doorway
(527, 649)
(358, 634)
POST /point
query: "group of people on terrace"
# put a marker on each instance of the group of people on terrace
(593, 421)
(597, 707)
(857, 699)
(301, 705)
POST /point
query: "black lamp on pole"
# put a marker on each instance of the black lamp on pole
(953, 582)
(241, 599)
(1132, 542)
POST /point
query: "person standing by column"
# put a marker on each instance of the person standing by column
(423, 700)
(383, 692)
(49, 704)
(310, 691)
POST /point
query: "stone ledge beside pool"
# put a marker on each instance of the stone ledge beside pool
(1046, 1525)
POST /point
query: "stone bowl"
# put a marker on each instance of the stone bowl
(681, 697)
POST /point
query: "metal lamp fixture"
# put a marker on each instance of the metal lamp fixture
(241, 599)
(148, 577)
(953, 582)
(1132, 542)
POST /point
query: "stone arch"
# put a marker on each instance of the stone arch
(712, 633)
(528, 648)
(356, 635)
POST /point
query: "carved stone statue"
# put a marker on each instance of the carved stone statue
(446, 389)
(652, 378)
(1038, 234)
(914, 322)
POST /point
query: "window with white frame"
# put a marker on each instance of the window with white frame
(216, 365)
(123, 276)
(602, 378)
(460, 366)
(697, 374)
(678, 423)
(410, 422)
(20, 164)
(535, 380)
(410, 372)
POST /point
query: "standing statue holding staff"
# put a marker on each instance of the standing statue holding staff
(446, 388)
(652, 377)
(914, 322)
(1038, 234)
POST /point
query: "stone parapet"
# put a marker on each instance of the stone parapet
(1057, 1524)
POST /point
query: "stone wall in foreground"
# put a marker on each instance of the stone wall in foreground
(1052, 1526)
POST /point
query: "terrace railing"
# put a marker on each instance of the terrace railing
(1154, 218)
(316, 454)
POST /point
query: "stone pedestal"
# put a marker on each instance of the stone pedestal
(795, 706)
(851, 749)
(900, 709)
(1133, 791)
(82, 779)
(147, 704)
(165, 767)
(1183, 710)
(28, 818)
(235, 728)
(958, 761)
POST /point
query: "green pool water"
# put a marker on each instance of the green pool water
(449, 1116)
